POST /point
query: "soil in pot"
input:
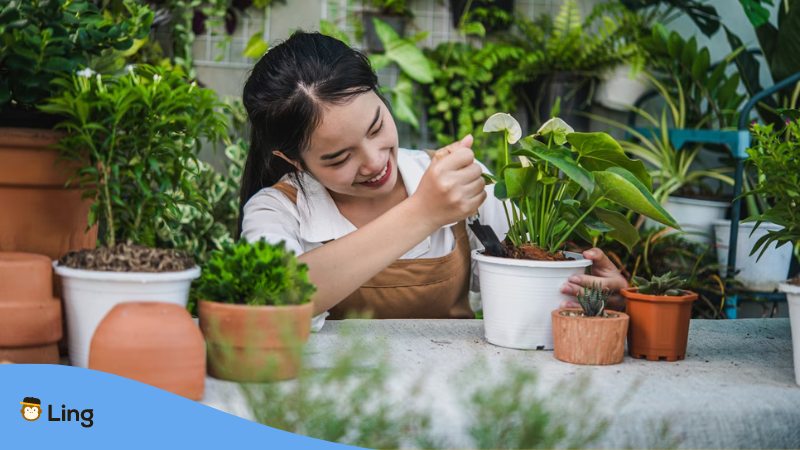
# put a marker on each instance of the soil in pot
(532, 252)
(152, 342)
(579, 339)
(128, 258)
(254, 343)
(659, 325)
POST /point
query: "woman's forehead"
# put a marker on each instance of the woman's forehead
(342, 123)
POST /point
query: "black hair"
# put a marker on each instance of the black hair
(284, 95)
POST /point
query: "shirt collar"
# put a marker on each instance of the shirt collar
(320, 219)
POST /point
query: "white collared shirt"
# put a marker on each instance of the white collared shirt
(315, 218)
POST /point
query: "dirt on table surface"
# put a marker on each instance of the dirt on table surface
(530, 251)
(128, 258)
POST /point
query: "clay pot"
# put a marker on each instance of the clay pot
(152, 342)
(30, 317)
(39, 215)
(579, 339)
(254, 343)
(659, 328)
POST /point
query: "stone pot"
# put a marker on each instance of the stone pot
(152, 342)
(579, 339)
(30, 317)
(659, 324)
(519, 295)
(254, 343)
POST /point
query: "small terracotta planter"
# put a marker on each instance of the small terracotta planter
(152, 342)
(30, 317)
(659, 328)
(254, 343)
(579, 339)
(40, 215)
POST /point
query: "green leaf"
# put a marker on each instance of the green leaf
(599, 151)
(256, 46)
(622, 230)
(385, 33)
(379, 61)
(701, 64)
(623, 188)
(474, 29)
(559, 157)
(411, 61)
(328, 28)
(520, 181)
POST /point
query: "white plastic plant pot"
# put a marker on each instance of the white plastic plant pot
(755, 274)
(696, 217)
(519, 296)
(90, 294)
(793, 299)
(618, 90)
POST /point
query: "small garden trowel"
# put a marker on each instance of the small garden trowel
(487, 236)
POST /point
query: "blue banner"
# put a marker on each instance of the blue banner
(51, 406)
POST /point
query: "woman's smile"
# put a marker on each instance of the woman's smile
(380, 179)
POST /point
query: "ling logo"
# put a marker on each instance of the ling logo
(31, 408)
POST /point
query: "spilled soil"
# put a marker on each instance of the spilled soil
(128, 258)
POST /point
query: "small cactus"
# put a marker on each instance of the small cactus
(665, 285)
(593, 300)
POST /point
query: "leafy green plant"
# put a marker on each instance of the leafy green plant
(562, 182)
(136, 137)
(593, 300)
(413, 65)
(257, 273)
(664, 285)
(776, 156)
(392, 7)
(41, 40)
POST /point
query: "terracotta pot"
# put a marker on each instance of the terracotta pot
(659, 327)
(254, 343)
(39, 215)
(578, 339)
(30, 317)
(152, 342)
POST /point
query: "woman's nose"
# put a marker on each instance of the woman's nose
(373, 163)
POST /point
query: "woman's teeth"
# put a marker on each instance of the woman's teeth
(379, 176)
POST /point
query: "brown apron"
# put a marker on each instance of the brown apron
(422, 288)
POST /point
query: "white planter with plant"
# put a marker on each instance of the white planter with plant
(695, 216)
(560, 186)
(141, 132)
(775, 155)
(756, 272)
(620, 87)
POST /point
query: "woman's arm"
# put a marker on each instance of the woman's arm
(450, 190)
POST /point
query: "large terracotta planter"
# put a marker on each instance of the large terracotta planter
(254, 343)
(659, 325)
(579, 339)
(152, 342)
(30, 317)
(39, 215)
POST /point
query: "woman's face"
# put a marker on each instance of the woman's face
(353, 151)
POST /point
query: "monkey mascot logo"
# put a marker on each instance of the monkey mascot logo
(31, 408)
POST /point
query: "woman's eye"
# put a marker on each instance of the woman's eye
(375, 133)
(341, 162)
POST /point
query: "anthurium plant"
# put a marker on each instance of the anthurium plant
(562, 183)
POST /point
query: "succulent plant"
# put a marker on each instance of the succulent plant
(593, 300)
(664, 285)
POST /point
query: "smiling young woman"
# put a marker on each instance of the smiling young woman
(381, 228)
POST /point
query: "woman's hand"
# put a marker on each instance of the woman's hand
(604, 273)
(452, 188)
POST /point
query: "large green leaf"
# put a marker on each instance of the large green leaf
(410, 59)
(622, 231)
(520, 181)
(785, 59)
(599, 151)
(622, 187)
(560, 157)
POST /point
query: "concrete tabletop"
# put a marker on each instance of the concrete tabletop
(735, 389)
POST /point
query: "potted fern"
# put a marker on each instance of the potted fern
(660, 311)
(561, 185)
(590, 334)
(141, 131)
(255, 311)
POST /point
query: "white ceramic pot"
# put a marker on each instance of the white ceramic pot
(90, 294)
(618, 90)
(696, 217)
(518, 297)
(793, 299)
(757, 275)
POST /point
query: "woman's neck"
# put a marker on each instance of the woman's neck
(360, 210)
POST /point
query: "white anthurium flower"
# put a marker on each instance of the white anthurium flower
(555, 125)
(156, 78)
(85, 73)
(504, 122)
(130, 68)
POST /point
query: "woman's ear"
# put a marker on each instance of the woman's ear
(280, 154)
